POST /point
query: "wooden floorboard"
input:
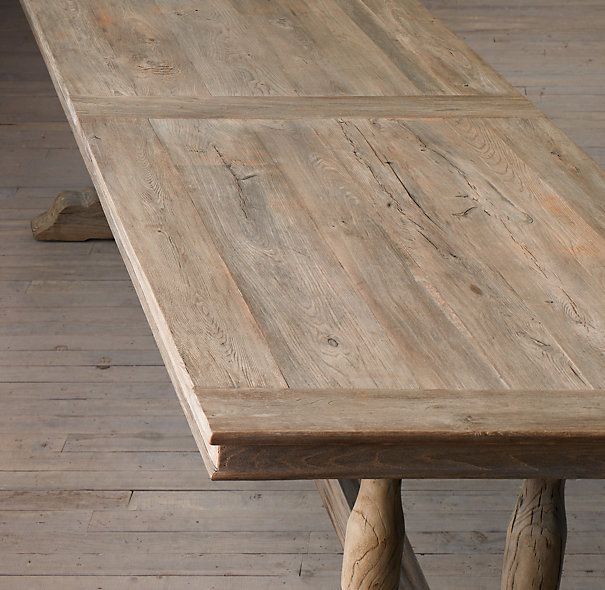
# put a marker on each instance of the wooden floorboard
(94, 494)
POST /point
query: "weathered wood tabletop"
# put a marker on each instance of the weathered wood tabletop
(362, 253)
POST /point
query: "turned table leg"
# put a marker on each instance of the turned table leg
(374, 538)
(535, 543)
(339, 496)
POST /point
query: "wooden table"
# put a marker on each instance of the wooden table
(362, 253)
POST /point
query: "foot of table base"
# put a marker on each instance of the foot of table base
(535, 544)
(75, 216)
(374, 538)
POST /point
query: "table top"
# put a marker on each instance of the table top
(361, 252)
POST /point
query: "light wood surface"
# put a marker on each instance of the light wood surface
(287, 108)
(335, 48)
(456, 526)
(500, 417)
(342, 252)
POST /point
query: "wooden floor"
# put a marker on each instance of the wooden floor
(95, 494)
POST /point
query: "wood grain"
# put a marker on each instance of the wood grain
(143, 47)
(416, 254)
(535, 544)
(570, 459)
(501, 417)
(309, 107)
(339, 497)
(374, 538)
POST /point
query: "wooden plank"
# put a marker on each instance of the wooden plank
(441, 568)
(254, 49)
(502, 18)
(110, 374)
(496, 417)
(426, 523)
(62, 390)
(439, 460)
(100, 407)
(119, 563)
(41, 521)
(535, 544)
(209, 542)
(53, 500)
(106, 480)
(27, 167)
(177, 520)
(296, 108)
(129, 442)
(101, 359)
(397, 27)
(56, 425)
(309, 581)
(50, 341)
(159, 582)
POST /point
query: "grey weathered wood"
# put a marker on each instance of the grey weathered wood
(535, 544)
(75, 216)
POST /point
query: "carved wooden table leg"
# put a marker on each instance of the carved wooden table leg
(535, 544)
(75, 216)
(374, 539)
(339, 496)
